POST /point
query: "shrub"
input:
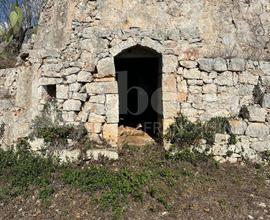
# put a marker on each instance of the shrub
(184, 133)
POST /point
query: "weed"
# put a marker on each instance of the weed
(116, 186)
(2, 130)
(229, 153)
(192, 156)
(23, 168)
(45, 193)
(213, 126)
(50, 127)
(184, 133)
(266, 156)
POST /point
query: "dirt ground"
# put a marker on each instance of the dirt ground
(201, 191)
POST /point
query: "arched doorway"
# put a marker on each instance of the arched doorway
(139, 76)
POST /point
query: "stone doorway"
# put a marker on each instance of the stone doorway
(139, 77)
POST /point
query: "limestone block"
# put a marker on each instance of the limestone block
(237, 65)
(248, 78)
(96, 153)
(102, 88)
(170, 109)
(112, 109)
(150, 43)
(261, 146)
(71, 78)
(195, 82)
(245, 90)
(75, 87)
(72, 105)
(105, 67)
(93, 128)
(209, 89)
(96, 108)
(84, 77)
(68, 155)
(166, 124)
(266, 101)
(220, 65)
(37, 144)
(169, 83)
(238, 127)
(195, 89)
(120, 47)
(265, 67)
(86, 44)
(169, 96)
(94, 118)
(97, 99)
(256, 114)
(208, 78)
(62, 91)
(222, 138)
(225, 79)
(209, 98)
(188, 64)
(192, 74)
(79, 96)
(89, 61)
(51, 70)
(50, 81)
(71, 70)
(110, 133)
(170, 64)
(206, 64)
(265, 81)
(69, 116)
(83, 116)
(258, 130)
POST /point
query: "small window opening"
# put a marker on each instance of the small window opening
(50, 91)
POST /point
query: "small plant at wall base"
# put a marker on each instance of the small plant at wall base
(186, 134)
(50, 127)
(2, 130)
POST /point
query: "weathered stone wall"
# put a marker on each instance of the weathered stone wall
(8, 91)
(214, 56)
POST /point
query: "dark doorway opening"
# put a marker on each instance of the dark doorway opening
(139, 84)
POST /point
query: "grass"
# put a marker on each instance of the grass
(142, 177)
(112, 188)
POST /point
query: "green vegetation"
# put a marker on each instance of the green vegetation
(184, 133)
(23, 168)
(116, 187)
(266, 156)
(15, 22)
(113, 189)
(2, 130)
(142, 176)
(50, 127)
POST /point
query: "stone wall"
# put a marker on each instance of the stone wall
(214, 63)
(8, 89)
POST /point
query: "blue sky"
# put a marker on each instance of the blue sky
(3, 8)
